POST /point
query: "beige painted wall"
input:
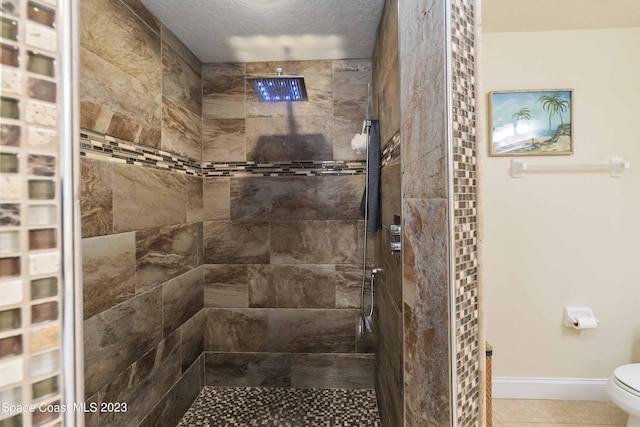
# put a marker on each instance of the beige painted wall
(552, 240)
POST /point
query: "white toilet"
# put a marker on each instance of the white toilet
(624, 390)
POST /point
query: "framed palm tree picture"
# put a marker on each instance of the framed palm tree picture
(531, 122)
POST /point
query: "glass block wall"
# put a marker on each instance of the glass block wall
(30, 296)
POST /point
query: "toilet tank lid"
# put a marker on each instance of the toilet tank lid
(630, 375)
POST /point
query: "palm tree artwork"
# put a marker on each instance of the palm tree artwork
(522, 114)
(531, 122)
(554, 105)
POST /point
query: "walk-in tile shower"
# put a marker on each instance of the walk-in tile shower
(222, 239)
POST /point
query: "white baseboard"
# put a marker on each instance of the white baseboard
(550, 388)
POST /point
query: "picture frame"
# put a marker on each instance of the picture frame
(531, 122)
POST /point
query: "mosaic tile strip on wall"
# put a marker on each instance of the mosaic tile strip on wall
(30, 310)
(296, 168)
(104, 147)
(391, 150)
(465, 219)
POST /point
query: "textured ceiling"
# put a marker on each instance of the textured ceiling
(556, 15)
(272, 30)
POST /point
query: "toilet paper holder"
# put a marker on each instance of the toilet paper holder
(579, 318)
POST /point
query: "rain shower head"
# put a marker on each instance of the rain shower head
(280, 88)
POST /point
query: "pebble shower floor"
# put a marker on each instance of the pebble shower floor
(279, 407)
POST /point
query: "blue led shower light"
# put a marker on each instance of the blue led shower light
(280, 88)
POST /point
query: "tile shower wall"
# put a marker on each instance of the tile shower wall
(30, 294)
(139, 82)
(425, 217)
(142, 226)
(283, 255)
(386, 107)
(386, 73)
(238, 128)
(389, 355)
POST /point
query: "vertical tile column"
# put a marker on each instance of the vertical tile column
(425, 242)
(30, 323)
(438, 208)
(462, 24)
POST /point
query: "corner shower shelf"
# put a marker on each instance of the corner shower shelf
(615, 167)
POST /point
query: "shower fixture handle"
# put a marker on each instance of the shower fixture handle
(395, 230)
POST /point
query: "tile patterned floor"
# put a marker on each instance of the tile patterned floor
(279, 407)
(556, 413)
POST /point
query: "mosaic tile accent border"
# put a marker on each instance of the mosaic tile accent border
(310, 168)
(252, 406)
(391, 150)
(30, 254)
(103, 147)
(107, 148)
(465, 211)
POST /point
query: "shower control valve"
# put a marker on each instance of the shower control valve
(396, 247)
(395, 230)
